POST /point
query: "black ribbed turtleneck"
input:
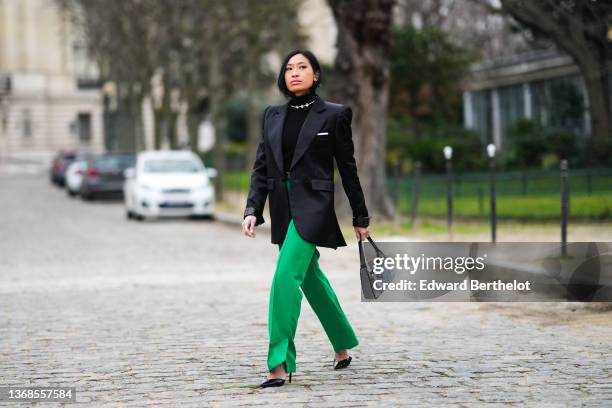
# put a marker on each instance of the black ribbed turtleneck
(293, 123)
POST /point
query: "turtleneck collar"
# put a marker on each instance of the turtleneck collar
(299, 100)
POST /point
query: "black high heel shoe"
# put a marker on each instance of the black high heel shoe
(275, 382)
(342, 363)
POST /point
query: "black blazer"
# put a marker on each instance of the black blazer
(325, 135)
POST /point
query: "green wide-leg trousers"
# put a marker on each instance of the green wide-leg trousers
(297, 267)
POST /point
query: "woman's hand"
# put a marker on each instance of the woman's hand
(362, 233)
(248, 226)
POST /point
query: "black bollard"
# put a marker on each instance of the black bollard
(449, 195)
(396, 190)
(493, 202)
(564, 206)
(415, 193)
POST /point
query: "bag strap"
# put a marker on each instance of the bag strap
(361, 254)
(379, 253)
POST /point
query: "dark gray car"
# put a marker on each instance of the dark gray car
(104, 175)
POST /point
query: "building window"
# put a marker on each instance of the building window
(85, 69)
(27, 123)
(84, 127)
(482, 115)
(558, 103)
(511, 105)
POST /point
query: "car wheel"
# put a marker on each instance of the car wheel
(139, 217)
(129, 215)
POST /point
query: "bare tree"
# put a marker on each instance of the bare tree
(238, 34)
(202, 50)
(469, 23)
(266, 23)
(120, 36)
(361, 79)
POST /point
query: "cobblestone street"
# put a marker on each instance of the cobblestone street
(173, 313)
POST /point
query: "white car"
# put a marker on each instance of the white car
(168, 183)
(74, 176)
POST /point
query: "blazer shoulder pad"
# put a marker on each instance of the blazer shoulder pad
(274, 108)
(334, 107)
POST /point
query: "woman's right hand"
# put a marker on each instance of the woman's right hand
(248, 226)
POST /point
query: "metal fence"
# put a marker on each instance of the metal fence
(526, 194)
(533, 194)
(509, 183)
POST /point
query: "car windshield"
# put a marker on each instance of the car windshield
(113, 163)
(171, 166)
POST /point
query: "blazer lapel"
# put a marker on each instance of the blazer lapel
(313, 122)
(276, 135)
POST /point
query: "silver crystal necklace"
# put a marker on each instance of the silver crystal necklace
(304, 105)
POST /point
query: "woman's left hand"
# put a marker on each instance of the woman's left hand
(362, 233)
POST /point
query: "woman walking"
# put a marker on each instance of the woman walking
(294, 168)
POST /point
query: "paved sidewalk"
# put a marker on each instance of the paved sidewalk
(174, 313)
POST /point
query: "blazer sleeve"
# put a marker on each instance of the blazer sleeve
(258, 190)
(344, 154)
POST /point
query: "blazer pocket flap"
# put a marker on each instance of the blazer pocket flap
(322, 184)
(270, 184)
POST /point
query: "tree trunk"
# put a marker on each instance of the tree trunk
(136, 114)
(126, 138)
(169, 117)
(252, 122)
(596, 82)
(361, 80)
(193, 122)
(159, 127)
(217, 99)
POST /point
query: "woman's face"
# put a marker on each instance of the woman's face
(299, 75)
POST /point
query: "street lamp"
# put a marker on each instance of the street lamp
(491, 154)
(448, 154)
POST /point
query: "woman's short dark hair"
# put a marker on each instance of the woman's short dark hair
(314, 62)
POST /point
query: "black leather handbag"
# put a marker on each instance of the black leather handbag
(366, 272)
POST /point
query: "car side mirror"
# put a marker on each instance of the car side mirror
(129, 173)
(211, 172)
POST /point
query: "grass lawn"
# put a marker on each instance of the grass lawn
(532, 207)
